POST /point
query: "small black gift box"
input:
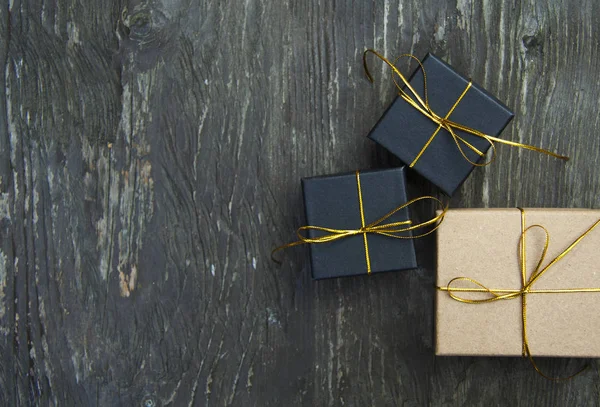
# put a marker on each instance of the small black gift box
(334, 202)
(427, 147)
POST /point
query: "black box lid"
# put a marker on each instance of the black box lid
(332, 201)
(404, 131)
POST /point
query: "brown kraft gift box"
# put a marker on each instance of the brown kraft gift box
(484, 245)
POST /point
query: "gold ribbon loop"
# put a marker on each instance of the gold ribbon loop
(489, 295)
(395, 230)
(481, 294)
(422, 105)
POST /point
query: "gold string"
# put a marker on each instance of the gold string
(393, 229)
(417, 102)
(526, 289)
(362, 223)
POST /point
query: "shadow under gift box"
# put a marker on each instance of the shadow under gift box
(404, 131)
(483, 244)
(333, 202)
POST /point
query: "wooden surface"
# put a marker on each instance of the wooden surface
(150, 159)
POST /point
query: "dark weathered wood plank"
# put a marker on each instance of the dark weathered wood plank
(150, 158)
(7, 377)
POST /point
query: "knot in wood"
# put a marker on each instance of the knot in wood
(144, 26)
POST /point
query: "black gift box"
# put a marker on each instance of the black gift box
(333, 202)
(404, 131)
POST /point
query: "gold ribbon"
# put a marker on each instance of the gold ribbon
(495, 294)
(392, 229)
(443, 122)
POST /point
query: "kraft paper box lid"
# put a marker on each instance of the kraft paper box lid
(332, 201)
(483, 244)
(403, 130)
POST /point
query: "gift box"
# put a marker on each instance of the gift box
(334, 202)
(423, 144)
(486, 284)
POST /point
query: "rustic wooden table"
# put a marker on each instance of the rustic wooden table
(150, 159)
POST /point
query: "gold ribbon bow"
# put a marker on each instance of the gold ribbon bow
(443, 122)
(394, 230)
(494, 294)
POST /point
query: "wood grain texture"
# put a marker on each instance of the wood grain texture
(150, 158)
